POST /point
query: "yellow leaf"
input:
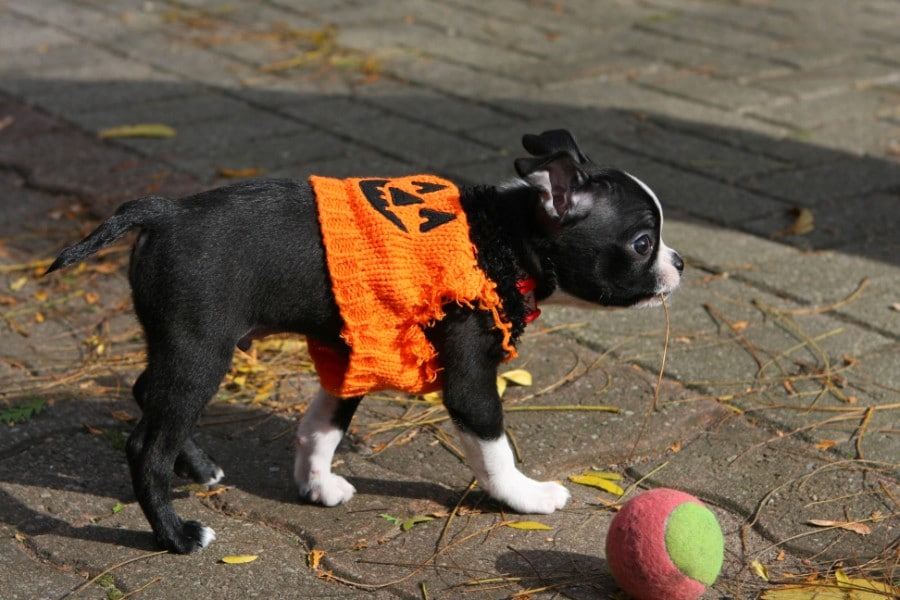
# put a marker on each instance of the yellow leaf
(38, 317)
(598, 482)
(865, 589)
(239, 559)
(276, 344)
(518, 377)
(18, 284)
(528, 525)
(264, 392)
(314, 558)
(501, 386)
(842, 588)
(237, 173)
(433, 397)
(759, 570)
(604, 474)
(141, 130)
(803, 592)
(41, 295)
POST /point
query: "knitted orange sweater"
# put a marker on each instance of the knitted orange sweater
(398, 250)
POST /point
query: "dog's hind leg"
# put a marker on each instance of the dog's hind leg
(192, 462)
(318, 435)
(173, 391)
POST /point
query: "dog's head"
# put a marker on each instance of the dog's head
(602, 227)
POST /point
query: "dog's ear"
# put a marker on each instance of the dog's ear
(551, 142)
(560, 182)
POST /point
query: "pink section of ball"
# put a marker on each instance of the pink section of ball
(636, 548)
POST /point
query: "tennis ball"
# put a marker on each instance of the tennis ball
(664, 544)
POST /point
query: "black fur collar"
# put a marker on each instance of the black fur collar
(502, 237)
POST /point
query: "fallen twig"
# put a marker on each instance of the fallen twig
(90, 582)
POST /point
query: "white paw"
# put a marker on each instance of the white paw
(216, 478)
(207, 536)
(528, 496)
(328, 489)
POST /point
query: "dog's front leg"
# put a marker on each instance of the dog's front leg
(470, 356)
(494, 465)
(318, 435)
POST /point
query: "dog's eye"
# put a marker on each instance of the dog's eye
(643, 245)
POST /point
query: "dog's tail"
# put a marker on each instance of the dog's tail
(135, 213)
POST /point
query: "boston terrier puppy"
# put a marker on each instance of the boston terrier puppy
(408, 283)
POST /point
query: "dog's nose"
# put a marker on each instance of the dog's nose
(676, 260)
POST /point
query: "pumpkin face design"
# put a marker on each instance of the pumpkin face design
(411, 204)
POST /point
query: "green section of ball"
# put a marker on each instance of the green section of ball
(694, 542)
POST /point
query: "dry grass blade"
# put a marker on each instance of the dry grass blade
(817, 310)
(737, 333)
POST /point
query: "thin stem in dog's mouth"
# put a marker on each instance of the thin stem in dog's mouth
(659, 377)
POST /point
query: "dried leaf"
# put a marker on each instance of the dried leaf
(211, 493)
(238, 173)
(314, 558)
(18, 284)
(501, 386)
(528, 525)
(598, 482)
(93, 430)
(825, 444)
(759, 570)
(239, 559)
(854, 526)
(122, 416)
(141, 130)
(803, 223)
(895, 306)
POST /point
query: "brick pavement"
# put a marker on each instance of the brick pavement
(739, 114)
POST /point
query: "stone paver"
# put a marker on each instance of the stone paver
(780, 397)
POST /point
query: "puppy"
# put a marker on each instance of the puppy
(220, 268)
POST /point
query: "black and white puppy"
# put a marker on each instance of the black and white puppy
(216, 269)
